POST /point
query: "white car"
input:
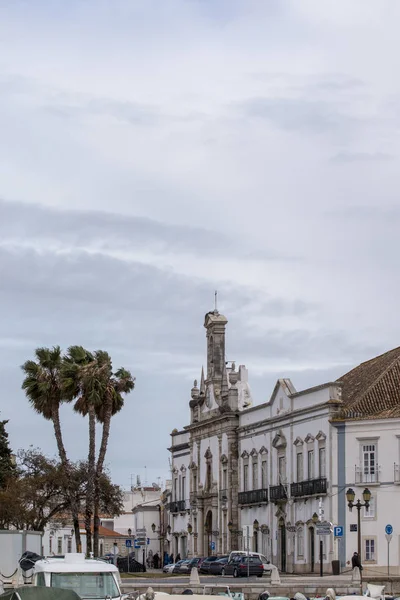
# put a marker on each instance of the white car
(168, 568)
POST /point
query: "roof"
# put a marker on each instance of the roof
(74, 563)
(104, 532)
(373, 388)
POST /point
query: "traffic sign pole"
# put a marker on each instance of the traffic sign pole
(388, 535)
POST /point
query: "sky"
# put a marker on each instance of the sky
(153, 151)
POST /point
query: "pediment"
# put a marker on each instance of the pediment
(192, 466)
(320, 436)
(183, 468)
(245, 454)
(263, 450)
(309, 438)
(254, 453)
(224, 459)
(298, 441)
(208, 453)
(279, 440)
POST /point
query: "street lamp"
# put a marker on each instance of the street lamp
(256, 525)
(234, 531)
(315, 518)
(189, 528)
(153, 527)
(129, 532)
(350, 497)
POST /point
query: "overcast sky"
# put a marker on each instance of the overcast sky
(152, 151)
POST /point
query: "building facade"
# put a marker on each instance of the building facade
(266, 475)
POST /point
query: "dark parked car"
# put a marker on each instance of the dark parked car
(134, 565)
(205, 565)
(239, 566)
(195, 562)
(181, 566)
(217, 565)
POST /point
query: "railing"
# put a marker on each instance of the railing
(366, 476)
(277, 492)
(310, 487)
(178, 506)
(223, 495)
(253, 497)
(396, 473)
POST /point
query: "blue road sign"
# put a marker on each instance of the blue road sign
(137, 546)
(148, 541)
(389, 529)
(212, 545)
(128, 543)
(338, 531)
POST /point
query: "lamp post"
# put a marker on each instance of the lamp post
(129, 534)
(350, 496)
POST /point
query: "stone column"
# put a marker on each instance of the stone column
(200, 530)
(233, 512)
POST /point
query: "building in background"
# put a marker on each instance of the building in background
(268, 474)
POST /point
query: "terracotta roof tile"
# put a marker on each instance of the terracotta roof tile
(373, 388)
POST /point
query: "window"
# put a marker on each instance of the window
(282, 469)
(369, 463)
(69, 545)
(245, 477)
(310, 464)
(369, 513)
(50, 545)
(299, 466)
(322, 462)
(180, 488)
(183, 488)
(255, 475)
(40, 581)
(300, 542)
(194, 482)
(176, 488)
(264, 482)
(370, 549)
(87, 585)
(59, 545)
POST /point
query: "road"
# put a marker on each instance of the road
(204, 580)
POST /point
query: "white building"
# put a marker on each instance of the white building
(279, 467)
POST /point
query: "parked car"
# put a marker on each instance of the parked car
(217, 565)
(194, 562)
(181, 566)
(169, 568)
(205, 565)
(239, 566)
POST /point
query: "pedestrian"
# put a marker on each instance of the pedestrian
(355, 561)
(178, 557)
(155, 560)
(171, 559)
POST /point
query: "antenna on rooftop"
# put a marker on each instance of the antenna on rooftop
(216, 301)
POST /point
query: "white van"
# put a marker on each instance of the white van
(88, 577)
(266, 564)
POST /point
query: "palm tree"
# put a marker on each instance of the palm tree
(42, 386)
(114, 386)
(83, 382)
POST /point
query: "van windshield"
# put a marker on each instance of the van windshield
(87, 585)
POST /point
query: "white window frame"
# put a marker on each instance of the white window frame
(370, 550)
(282, 479)
(300, 466)
(245, 476)
(254, 474)
(310, 464)
(264, 473)
(369, 468)
(322, 463)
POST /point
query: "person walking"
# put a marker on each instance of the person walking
(155, 560)
(355, 561)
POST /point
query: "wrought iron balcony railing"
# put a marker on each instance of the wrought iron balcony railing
(278, 492)
(310, 487)
(176, 507)
(253, 497)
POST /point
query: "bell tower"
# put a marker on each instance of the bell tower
(215, 324)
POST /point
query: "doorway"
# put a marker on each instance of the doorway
(282, 545)
(312, 548)
(208, 534)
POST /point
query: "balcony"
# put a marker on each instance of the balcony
(253, 497)
(223, 495)
(176, 507)
(278, 492)
(310, 487)
(366, 476)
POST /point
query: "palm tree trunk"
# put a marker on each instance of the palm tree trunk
(99, 470)
(67, 471)
(91, 479)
